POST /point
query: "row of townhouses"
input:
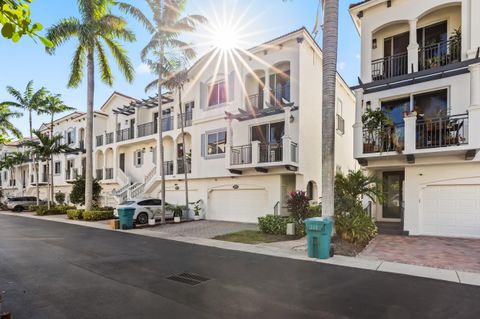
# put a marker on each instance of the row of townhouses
(252, 135)
(253, 132)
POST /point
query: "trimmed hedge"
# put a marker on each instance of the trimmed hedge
(54, 210)
(75, 214)
(276, 225)
(93, 215)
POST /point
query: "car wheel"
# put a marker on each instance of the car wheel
(142, 218)
(18, 208)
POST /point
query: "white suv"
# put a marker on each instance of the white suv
(145, 209)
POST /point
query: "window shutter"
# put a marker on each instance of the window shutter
(74, 135)
(135, 159)
(203, 94)
(202, 145)
(231, 86)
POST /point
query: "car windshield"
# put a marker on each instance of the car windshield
(127, 203)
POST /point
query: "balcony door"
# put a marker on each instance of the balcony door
(270, 133)
(395, 53)
(280, 87)
(393, 195)
(431, 105)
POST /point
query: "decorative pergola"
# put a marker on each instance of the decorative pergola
(148, 103)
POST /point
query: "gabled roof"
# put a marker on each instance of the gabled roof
(72, 115)
(353, 5)
(115, 93)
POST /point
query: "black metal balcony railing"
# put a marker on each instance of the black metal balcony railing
(108, 173)
(146, 129)
(270, 153)
(255, 101)
(109, 138)
(168, 167)
(389, 138)
(240, 155)
(99, 140)
(44, 178)
(187, 119)
(294, 150)
(279, 93)
(439, 54)
(180, 167)
(124, 135)
(390, 66)
(442, 132)
(99, 174)
(167, 123)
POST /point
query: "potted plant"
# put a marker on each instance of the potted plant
(177, 212)
(374, 122)
(197, 209)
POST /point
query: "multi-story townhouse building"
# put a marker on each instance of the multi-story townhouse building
(252, 123)
(420, 65)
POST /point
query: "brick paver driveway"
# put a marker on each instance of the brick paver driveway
(440, 252)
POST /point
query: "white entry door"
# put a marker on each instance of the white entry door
(451, 210)
(238, 205)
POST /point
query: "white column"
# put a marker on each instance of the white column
(229, 143)
(366, 56)
(266, 89)
(466, 27)
(474, 26)
(255, 152)
(115, 164)
(413, 47)
(474, 109)
(358, 126)
(410, 134)
(288, 125)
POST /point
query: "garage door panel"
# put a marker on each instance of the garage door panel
(238, 205)
(451, 210)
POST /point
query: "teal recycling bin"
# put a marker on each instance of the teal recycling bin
(319, 233)
(125, 216)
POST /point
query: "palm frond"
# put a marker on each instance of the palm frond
(122, 59)
(152, 85)
(77, 67)
(61, 32)
(153, 45)
(17, 95)
(137, 14)
(105, 71)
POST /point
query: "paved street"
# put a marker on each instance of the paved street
(53, 270)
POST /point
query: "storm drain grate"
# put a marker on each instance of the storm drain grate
(188, 278)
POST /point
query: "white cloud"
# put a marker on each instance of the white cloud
(342, 65)
(358, 56)
(142, 68)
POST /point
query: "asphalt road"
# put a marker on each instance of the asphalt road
(54, 270)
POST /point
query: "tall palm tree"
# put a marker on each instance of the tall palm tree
(97, 28)
(45, 148)
(29, 100)
(167, 25)
(7, 128)
(52, 106)
(329, 81)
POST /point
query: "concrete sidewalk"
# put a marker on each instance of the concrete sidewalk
(287, 252)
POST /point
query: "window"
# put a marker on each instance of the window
(340, 120)
(431, 105)
(432, 34)
(57, 168)
(270, 133)
(216, 143)
(138, 160)
(180, 150)
(189, 106)
(70, 137)
(217, 93)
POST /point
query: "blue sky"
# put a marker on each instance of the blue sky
(261, 21)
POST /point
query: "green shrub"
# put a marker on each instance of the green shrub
(356, 228)
(276, 225)
(75, 214)
(77, 195)
(54, 210)
(92, 215)
(60, 198)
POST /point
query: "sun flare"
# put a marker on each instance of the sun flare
(225, 38)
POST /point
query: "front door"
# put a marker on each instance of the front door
(393, 194)
(122, 162)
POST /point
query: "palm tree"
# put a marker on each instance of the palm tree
(167, 25)
(53, 105)
(329, 81)
(29, 100)
(6, 126)
(97, 27)
(45, 148)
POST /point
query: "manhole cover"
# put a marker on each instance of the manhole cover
(188, 278)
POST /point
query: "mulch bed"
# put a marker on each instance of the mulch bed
(345, 248)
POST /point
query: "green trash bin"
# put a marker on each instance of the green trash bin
(125, 216)
(319, 233)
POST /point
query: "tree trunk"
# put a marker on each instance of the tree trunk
(48, 183)
(185, 166)
(330, 43)
(89, 133)
(30, 122)
(52, 190)
(37, 176)
(160, 136)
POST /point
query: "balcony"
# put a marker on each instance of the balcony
(167, 123)
(389, 138)
(124, 135)
(187, 119)
(255, 101)
(263, 155)
(168, 168)
(439, 54)
(99, 174)
(390, 66)
(99, 140)
(81, 146)
(278, 94)
(109, 138)
(146, 129)
(71, 174)
(181, 167)
(442, 132)
(108, 173)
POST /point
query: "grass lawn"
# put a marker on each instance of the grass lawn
(253, 237)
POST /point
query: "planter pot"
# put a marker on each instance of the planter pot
(151, 222)
(291, 229)
(196, 217)
(368, 148)
(176, 219)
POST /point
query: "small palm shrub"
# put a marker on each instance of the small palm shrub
(60, 198)
(356, 228)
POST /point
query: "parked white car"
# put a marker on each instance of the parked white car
(145, 209)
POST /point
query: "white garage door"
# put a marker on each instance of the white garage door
(452, 210)
(237, 205)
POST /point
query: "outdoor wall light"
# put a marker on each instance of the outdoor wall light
(236, 186)
(292, 118)
(151, 148)
(374, 43)
(368, 104)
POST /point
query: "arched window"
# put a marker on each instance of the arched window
(311, 190)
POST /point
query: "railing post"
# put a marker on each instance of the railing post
(413, 47)
(358, 126)
(474, 109)
(287, 150)
(255, 152)
(410, 134)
